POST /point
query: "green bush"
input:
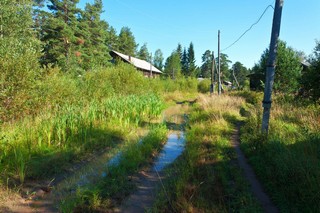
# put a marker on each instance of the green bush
(204, 86)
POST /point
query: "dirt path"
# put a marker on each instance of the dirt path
(149, 180)
(145, 195)
(255, 185)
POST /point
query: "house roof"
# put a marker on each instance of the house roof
(138, 63)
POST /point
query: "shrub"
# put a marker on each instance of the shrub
(204, 86)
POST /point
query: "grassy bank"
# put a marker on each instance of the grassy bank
(206, 178)
(287, 162)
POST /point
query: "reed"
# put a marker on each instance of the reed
(69, 132)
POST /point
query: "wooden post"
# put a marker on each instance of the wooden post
(266, 103)
(219, 76)
(235, 77)
(150, 65)
(213, 79)
(1, 27)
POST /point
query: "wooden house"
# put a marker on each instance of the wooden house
(145, 67)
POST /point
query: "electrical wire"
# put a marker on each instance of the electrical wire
(265, 10)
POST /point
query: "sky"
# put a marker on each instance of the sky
(163, 24)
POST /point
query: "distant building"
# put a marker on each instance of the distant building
(145, 67)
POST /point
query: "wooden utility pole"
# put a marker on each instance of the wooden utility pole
(212, 86)
(1, 27)
(219, 77)
(150, 65)
(234, 76)
(266, 103)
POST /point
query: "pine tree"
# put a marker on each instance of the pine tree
(127, 43)
(60, 40)
(112, 40)
(191, 61)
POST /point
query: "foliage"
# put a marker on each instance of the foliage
(204, 86)
(240, 73)
(224, 67)
(143, 53)
(311, 77)
(172, 67)
(60, 39)
(94, 52)
(288, 68)
(206, 67)
(158, 59)
(19, 52)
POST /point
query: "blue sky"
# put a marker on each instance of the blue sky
(163, 24)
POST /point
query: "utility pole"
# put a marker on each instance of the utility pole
(1, 28)
(235, 77)
(212, 86)
(266, 103)
(219, 77)
(150, 65)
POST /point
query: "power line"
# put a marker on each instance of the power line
(265, 10)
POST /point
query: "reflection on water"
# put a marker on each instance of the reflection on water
(171, 150)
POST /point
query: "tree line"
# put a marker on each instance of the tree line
(57, 33)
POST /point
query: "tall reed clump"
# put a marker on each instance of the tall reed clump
(116, 183)
(46, 144)
(287, 162)
(205, 178)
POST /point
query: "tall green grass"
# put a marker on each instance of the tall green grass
(41, 146)
(287, 162)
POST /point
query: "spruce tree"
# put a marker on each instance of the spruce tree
(191, 61)
(184, 63)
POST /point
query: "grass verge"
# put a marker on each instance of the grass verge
(206, 177)
(288, 161)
